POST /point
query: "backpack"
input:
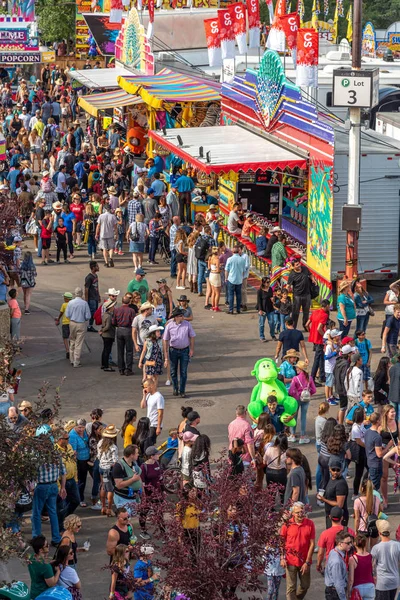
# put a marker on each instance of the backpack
(372, 529)
(55, 178)
(98, 316)
(134, 235)
(305, 395)
(201, 248)
(47, 186)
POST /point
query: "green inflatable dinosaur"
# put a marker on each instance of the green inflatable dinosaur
(266, 372)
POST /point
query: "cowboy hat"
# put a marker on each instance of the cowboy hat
(344, 284)
(183, 298)
(146, 306)
(112, 190)
(177, 312)
(302, 365)
(113, 292)
(24, 404)
(45, 173)
(25, 163)
(57, 205)
(110, 431)
(109, 304)
(275, 229)
(153, 328)
(291, 354)
(69, 425)
(76, 122)
(59, 81)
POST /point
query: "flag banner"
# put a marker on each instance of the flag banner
(335, 24)
(150, 30)
(291, 24)
(116, 9)
(326, 7)
(227, 34)
(349, 17)
(340, 9)
(213, 38)
(315, 14)
(307, 58)
(253, 14)
(150, 6)
(139, 5)
(301, 11)
(238, 13)
(270, 11)
(276, 37)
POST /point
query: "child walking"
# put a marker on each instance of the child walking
(15, 315)
(332, 348)
(120, 231)
(64, 322)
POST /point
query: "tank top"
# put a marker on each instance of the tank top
(387, 436)
(363, 570)
(124, 536)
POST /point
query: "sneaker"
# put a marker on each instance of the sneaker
(320, 504)
(291, 438)
(67, 262)
(67, 355)
(332, 401)
(168, 382)
(111, 262)
(50, 260)
(27, 312)
(263, 340)
(175, 393)
(58, 262)
(208, 306)
(120, 253)
(304, 440)
(91, 329)
(217, 309)
(96, 506)
(144, 535)
(180, 287)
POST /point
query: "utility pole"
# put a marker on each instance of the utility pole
(353, 197)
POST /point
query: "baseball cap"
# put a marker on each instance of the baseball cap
(383, 526)
(140, 271)
(336, 513)
(68, 295)
(188, 436)
(347, 349)
(347, 339)
(150, 191)
(151, 451)
(335, 463)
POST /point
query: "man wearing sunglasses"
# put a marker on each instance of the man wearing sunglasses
(336, 491)
(336, 568)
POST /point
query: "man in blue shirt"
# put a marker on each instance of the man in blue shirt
(235, 270)
(336, 568)
(390, 334)
(366, 404)
(158, 186)
(185, 186)
(79, 169)
(13, 177)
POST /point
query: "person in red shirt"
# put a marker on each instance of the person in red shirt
(78, 208)
(316, 325)
(298, 536)
(326, 541)
(45, 234)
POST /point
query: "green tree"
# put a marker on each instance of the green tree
(56, 20)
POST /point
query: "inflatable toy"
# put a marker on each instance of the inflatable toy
(266, 371)
(137, 139)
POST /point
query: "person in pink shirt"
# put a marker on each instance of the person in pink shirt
(15, 315)
(240, 428)
(302, 387)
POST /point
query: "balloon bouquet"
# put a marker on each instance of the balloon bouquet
(266, 372)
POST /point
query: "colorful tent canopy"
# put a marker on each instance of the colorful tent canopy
(168, 86)
(95, 102)
(230, 148)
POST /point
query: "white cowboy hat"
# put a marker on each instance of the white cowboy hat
(113, 292)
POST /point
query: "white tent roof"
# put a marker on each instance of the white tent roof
(99, 78)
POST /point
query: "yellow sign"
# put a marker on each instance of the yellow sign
(326, 30)
(107, 122)
(48, 57)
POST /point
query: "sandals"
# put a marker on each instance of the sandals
(104, 511)
(83, 504)
(109, 370)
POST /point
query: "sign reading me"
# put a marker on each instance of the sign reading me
(355, 89)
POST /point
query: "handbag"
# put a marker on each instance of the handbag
(31, 226)
(371, 311)
(134, 236)
(314, 289)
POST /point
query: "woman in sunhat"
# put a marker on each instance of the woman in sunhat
(346, 307)
(302, 388)
(107, 453)
(152, 356)
(183, 302)
(107, 333)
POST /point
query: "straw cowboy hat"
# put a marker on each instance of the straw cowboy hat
(109, 304)
(57, 205)
(145, 306)
(110, 431)
(344, 284)
(59, 81)
(112, 190)
(301, 365)
(291, 354)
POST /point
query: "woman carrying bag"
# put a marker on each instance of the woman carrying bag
(302, 387)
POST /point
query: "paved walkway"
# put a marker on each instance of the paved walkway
(226, 349)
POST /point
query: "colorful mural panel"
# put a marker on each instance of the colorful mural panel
(320, 211)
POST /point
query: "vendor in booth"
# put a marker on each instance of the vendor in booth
(157, 164)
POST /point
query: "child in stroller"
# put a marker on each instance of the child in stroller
(169, 450)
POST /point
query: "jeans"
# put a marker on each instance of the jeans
(125, 344)
(375, 475)
(282, 321)
(95, 473)
(303, 302)
(153, 249)
(272, 322)
(45, 495)
(93, 306)
(201, 275)
(119, 242)
(70, 242)
(179, 357)
(362, 323)
(39, 246)
(69, 505)
(15, 328)
(105, 355)
(234, 290)
(92, 246)
(318, 472)
(303, 409)
(83, 469)
(344, 330)
(367, 591)
(319, 363)
(173, 263)
(360, 466)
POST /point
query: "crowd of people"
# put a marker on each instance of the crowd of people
(90, 196)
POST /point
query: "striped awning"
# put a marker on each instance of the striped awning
(93, 103)
(168, 86)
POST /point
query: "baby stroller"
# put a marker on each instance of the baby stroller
(165, 252)
(169, 462)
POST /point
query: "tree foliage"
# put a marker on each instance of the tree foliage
(56, 19)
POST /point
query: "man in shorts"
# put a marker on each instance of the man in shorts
(105, 232)
(64, 322)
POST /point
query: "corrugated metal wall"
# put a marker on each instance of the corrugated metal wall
(379, 237)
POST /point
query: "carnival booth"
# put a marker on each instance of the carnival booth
(274, 157)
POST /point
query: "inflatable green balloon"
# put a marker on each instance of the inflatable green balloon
(266, 371)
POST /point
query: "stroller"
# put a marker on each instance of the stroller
(170, 465)
(165, 252)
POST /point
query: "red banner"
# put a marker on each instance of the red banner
(150, 6)
(225, 19)
(253, 11)
(280, 8)
(213, 39)
(307, 47)
(290, 24)
(237, 11)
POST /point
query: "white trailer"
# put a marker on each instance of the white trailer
(380, 198)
